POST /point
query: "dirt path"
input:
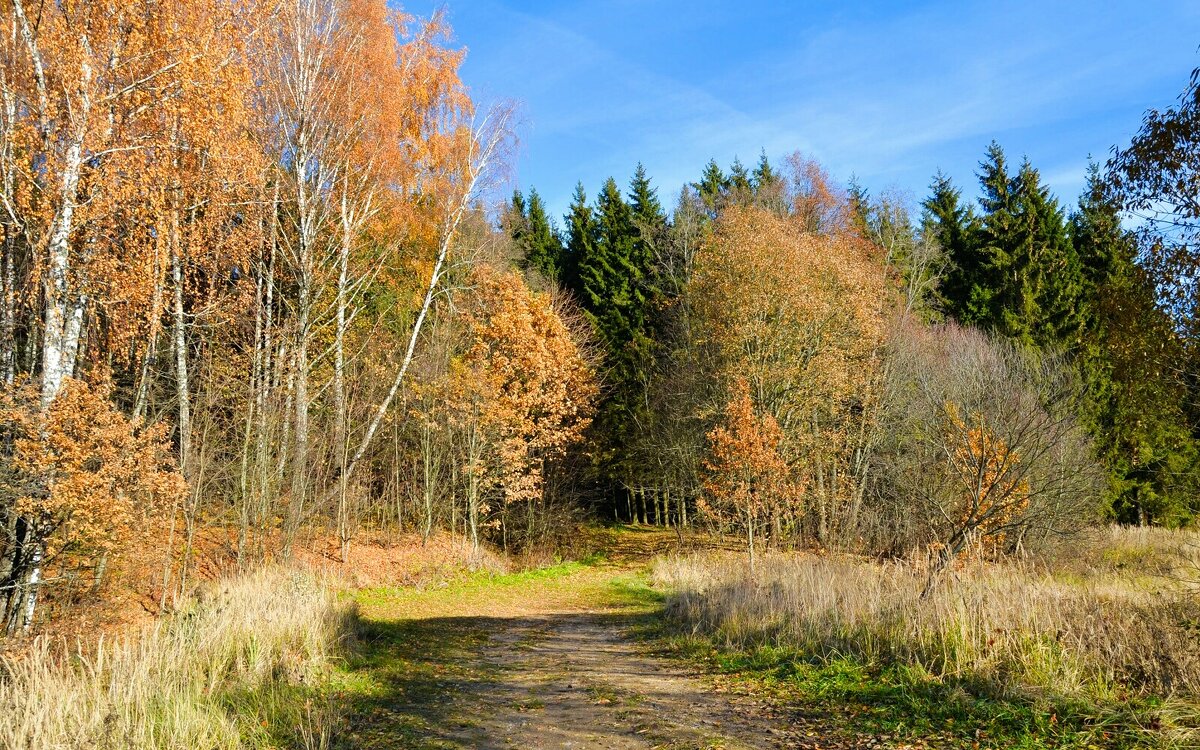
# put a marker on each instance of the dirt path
(578, 682)
(547, 661)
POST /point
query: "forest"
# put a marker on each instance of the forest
(269, 302)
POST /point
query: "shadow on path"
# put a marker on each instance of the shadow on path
(550, 680)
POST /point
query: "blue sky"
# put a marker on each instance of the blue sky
(889, 92)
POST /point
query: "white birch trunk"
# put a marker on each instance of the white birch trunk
(179, 334)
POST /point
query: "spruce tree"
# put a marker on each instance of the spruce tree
(712, 188)
(1015, 271)
(648, 218)
(999, 296)
(1134, 395)
(1105, 249)
(1054, 268)
(542, 247)
(768, 186)
(764, 176)
(952, 224)
(516, 219)
(738, 185)
(581, 241)
(860, 208)
(614, 292)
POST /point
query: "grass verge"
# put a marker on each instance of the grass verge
(246, 667)
(998, 657)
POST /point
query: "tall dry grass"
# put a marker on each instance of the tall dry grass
(233, 670)
(1113, 623)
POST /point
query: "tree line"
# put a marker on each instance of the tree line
(798, 360)
(252, 291)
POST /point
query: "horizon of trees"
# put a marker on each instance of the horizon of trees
(1075, 286)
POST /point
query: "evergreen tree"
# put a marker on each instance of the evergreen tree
(542, 247)
(768, 186)
(516, 219)
(648, 218)
(615, 292)
(860, 207)
(1106, 251)
(581, 241)
(1000, 297)
(738, 185)
(953, 226)
(1015, 272)
(764, 175)
(1052, 263)
(712, 187)
(1128, 362)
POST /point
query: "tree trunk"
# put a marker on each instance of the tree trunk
(750, 541)
(475, 170)
(340, 415)
(140, 401)
(179, 336)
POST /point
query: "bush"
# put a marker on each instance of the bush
(977, 448)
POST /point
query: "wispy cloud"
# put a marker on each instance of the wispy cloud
(888, 93)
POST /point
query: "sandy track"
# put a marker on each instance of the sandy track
(576, 681)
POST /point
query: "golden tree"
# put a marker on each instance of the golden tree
(524, 394)
(84, 481)
(746, 476)
(799, 316)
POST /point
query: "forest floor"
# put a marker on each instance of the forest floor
(561, 657)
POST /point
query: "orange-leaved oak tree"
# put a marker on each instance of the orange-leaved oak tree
(523, 394)
(747, 480)
(84, 482)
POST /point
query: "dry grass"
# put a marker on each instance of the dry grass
(237, 668)
(1115, 624)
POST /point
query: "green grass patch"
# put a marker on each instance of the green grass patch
(906, 704)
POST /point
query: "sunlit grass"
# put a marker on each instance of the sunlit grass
(1100, 649)
(245, 668)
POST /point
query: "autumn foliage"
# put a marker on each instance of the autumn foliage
(224, 228)
(799, 317)
(523, 391)
(84, 482)
(747, 480)
(994, 490)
